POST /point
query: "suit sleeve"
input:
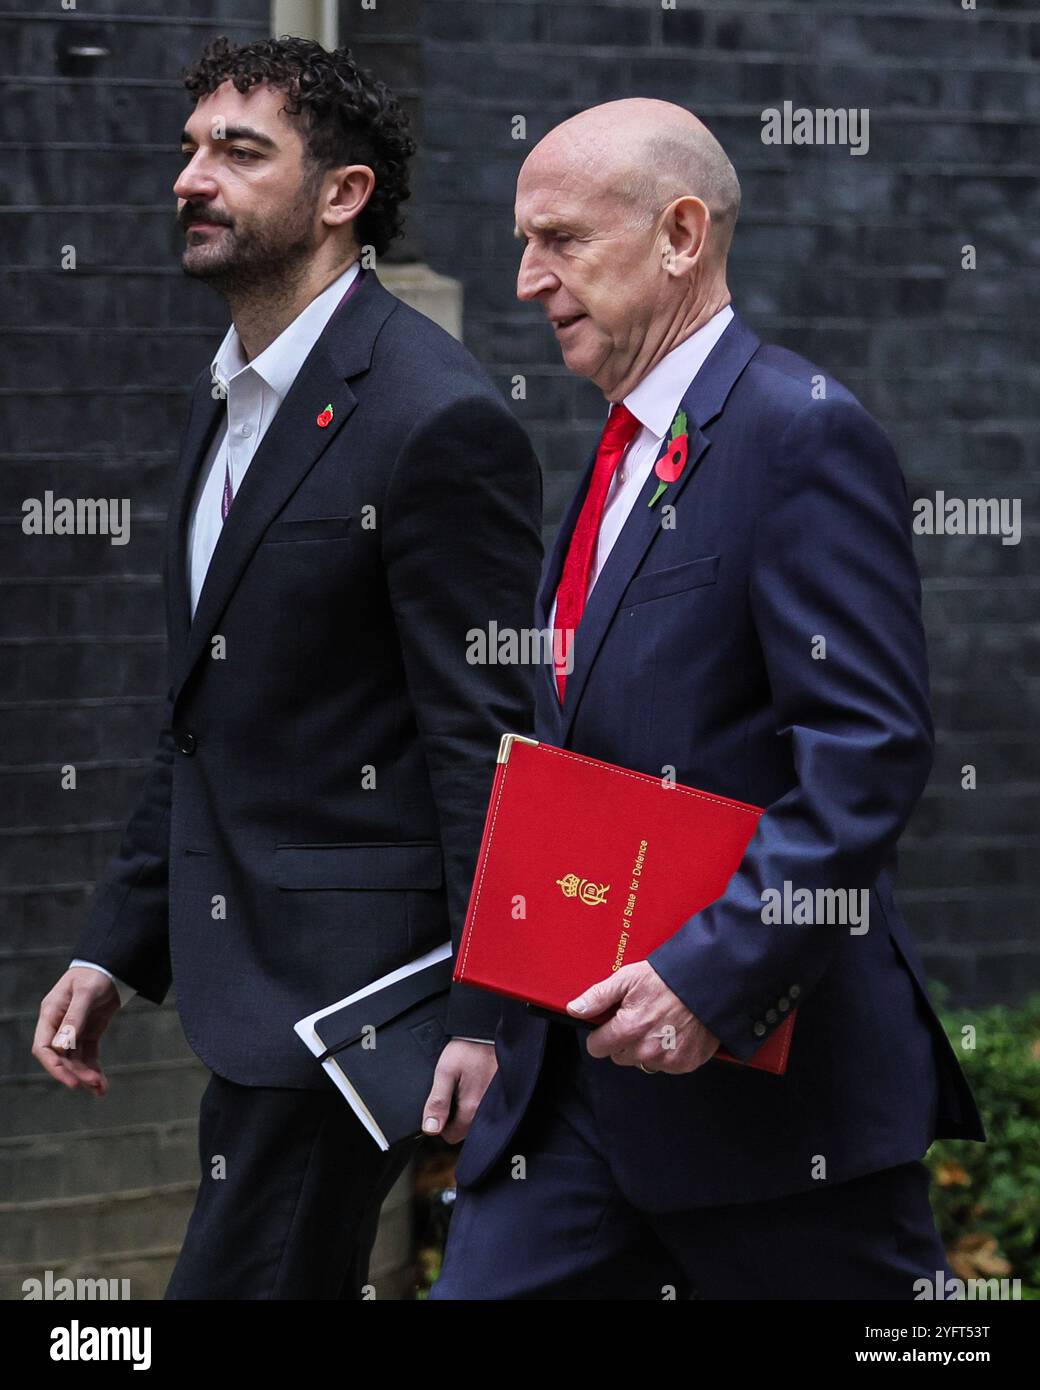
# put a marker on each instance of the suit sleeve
(127, 926)
(462, 549)
(832, 557)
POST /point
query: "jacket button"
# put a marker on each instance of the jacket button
(187, 742)
(759, 1029)
(783, 1004)
(795, 991)
(771, 1015)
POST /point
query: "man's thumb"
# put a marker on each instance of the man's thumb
(72, 1025)
(65, 1038)
(598, 997)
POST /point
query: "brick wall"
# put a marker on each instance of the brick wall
(854, 261)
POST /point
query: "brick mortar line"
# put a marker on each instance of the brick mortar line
(111, 17)
(101, 1257)
(85, 702)
(84, 639)
(144, 1009)
(119, 1197)
(129, 1069)
(121, 1131)
(123, 578)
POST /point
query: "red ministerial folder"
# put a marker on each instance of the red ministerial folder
(585, 867)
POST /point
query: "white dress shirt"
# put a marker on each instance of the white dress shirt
(654, 403)
(254, 392)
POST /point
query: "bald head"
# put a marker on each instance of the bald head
(647, 153)
(627, 212)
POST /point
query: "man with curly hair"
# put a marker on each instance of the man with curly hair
(353, 498)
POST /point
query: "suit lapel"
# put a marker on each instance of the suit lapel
(289, 449)
(703, 401)
(203, 420)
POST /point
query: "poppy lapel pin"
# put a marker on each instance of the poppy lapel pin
(672, 462)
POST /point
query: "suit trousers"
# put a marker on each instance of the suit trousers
(556, 1225)
(289, 1198)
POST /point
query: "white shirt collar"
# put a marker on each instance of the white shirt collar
(655, 401)
(280, 362)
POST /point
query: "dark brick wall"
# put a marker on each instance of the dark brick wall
(97, 364)
(853, 261)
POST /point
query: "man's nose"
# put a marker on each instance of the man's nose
(533, 278)
(193, 183)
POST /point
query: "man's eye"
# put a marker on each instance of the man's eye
(247, 154)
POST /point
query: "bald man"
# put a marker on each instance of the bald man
(745, 619)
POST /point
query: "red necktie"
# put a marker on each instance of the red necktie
(619, 431)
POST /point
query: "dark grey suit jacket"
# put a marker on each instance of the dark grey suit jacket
(262, 870)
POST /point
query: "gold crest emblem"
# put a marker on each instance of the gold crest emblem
(590, 893)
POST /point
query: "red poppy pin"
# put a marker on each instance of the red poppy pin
(325, 418)
(673, 460)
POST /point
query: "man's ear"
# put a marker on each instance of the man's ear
(686, 225)
(351, 190)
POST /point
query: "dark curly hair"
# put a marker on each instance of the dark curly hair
(350, 116)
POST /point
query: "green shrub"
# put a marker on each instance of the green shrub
(986, 1197)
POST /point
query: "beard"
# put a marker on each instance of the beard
(260, 251)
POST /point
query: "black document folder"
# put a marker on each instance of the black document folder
(380, 1045)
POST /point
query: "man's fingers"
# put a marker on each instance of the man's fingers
(52, 1062)
(64, 1043)
(439, 1101)
(84, 1066)
(616, 1036)
(457, 1127)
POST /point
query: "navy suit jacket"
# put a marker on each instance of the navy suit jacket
(696, 653)
(313, 814)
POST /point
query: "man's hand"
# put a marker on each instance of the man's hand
(650, 1027)
(463, 1074)
(72, 1018)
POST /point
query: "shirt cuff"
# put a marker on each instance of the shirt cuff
(124, 990)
